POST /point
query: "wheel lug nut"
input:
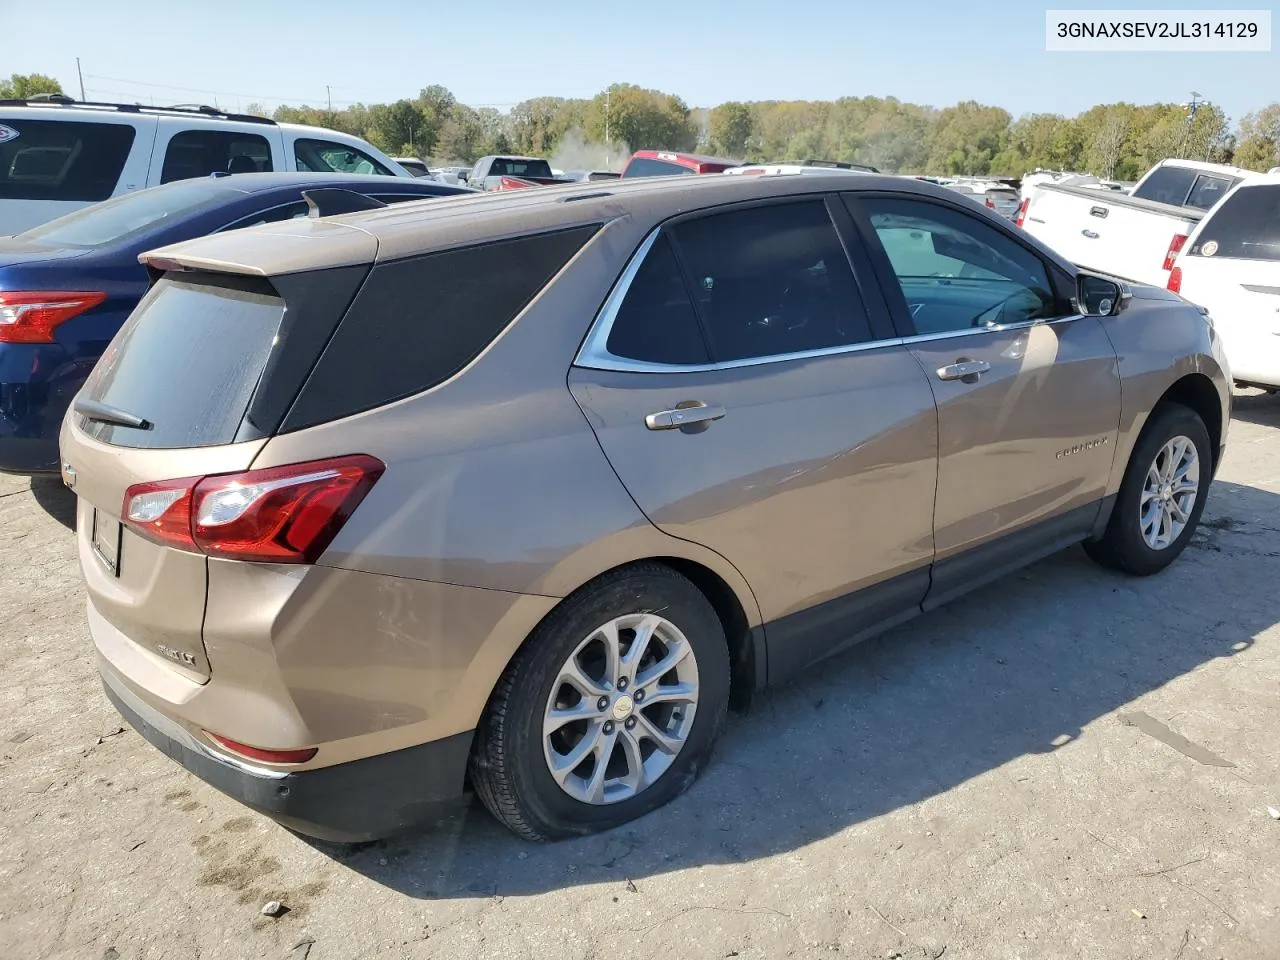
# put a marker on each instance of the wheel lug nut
(602, 703)
(622, 683)
(639, 696)
(631, 722)
(608, 727)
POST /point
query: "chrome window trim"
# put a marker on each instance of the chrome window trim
(594, 353)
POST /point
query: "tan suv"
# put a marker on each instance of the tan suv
(517, 493)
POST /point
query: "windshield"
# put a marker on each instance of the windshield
(510, 167)
(121, 217)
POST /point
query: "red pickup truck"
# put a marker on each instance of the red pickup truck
(659, 163)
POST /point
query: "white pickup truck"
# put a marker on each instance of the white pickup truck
(1135, 236)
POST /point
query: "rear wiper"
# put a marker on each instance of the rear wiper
(102, 413)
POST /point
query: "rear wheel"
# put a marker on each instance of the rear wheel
(608, 711)
(1161, 496)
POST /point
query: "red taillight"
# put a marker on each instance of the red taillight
(991, 204)
(1175, 279)
(1022, 212)
(275, 515)
(263, 754)
(30, 316)
(1174, 246)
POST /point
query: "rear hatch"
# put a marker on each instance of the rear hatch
(1004, 202)
(195, 382)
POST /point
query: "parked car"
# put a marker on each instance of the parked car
(414, 165)
(348, 547)
(992, 195)
(1135, 236)
(57, 154)
(580, 176)
(67, 286)
(510, 173)
(1231, 266)
(661, 163)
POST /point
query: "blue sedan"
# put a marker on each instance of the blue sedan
(67, 286)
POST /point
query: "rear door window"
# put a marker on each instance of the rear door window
(657, 321)
(772, 280)
(56, 160)
(325, 156)
(1246, 227)
(187, 360)
(198, 153)
(1209, 190)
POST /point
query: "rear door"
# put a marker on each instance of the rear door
(187, 362)
(50, 166)
(1232, 267)
(1028, 392)
(754, 400)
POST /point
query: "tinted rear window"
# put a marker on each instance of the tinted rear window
(188, 360)
(198, 153)
(507, 167)
(417, 322)
(1246, 227)
(1167, 185)
(644, 167)
(53, 160)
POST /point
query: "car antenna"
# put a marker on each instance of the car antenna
(330, 201)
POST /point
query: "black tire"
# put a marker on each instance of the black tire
(1122, 546)
(508, 767)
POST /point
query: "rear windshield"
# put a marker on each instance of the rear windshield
(508, 167)
(1185, 187)
(644, 167)
(187, 360)
(120, 218)
(1246, 227)
(56, 160)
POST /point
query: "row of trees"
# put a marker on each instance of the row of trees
(1119, 140)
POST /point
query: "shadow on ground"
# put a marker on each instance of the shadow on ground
(1011, 670)
(1257, 407)
(55, 499)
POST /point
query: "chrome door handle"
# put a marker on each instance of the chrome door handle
(966, 370)
(1090, 234)
(692, 412)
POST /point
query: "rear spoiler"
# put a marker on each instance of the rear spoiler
(331, 201)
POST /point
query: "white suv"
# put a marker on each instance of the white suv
(57, 155)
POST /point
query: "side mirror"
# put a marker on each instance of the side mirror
(1098, 296)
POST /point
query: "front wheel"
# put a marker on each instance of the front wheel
(608, 711)
(1161, 496)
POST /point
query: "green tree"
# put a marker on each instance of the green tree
(22, 85)
(966, 137)
(1259, 141)
(643, 119)
(730, 128)
(402, 128)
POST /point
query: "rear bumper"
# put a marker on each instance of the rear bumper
(351, 802)
(37, 384)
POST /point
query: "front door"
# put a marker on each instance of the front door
(1028, 392)
(751, 402)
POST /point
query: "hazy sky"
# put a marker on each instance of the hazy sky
(275, 51)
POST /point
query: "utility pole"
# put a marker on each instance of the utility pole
(329, 94)
(81, 76)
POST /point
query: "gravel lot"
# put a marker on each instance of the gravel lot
(1065, 764)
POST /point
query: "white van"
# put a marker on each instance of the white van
(57, 155)
(1231, 266)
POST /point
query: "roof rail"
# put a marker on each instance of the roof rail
(200, 109)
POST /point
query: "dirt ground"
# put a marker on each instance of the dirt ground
(1066, 764)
